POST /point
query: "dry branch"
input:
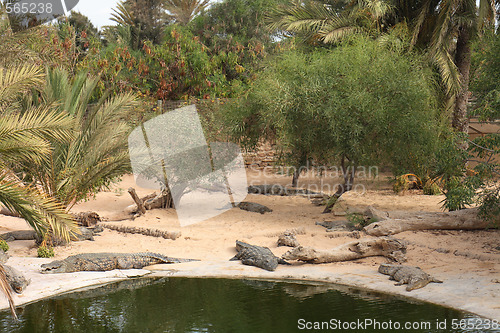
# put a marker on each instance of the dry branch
(137, 200)
(465, 219)
(385, 246)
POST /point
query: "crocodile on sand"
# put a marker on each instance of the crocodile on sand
(254, 207)
(108, 262)
(85, 234)
(258, 256)
(415, 277)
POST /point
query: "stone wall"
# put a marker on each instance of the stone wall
(265, 155)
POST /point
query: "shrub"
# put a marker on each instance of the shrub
(45, 251)
(4, 246)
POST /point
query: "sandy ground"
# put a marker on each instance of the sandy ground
(467, 261)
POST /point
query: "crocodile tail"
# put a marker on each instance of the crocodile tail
(433, 279)
(165, 259)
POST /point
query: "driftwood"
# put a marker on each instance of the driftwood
(150, 201)
(144, 231)
(137, 200)
(384, 246)
(465, 219)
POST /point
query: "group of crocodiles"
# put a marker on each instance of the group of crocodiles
(258, 256)
(263, 257)
(253, 255)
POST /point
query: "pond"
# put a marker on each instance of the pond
(226, 305)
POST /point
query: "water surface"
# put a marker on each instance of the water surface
(225, 305)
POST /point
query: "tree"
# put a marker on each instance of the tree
(235, 21)
(358, 104)
(183, 11)
(486, 79)
(97, 154)
(445, 28)
(144, 18)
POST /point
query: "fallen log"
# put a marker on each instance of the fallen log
(465, 219)
(144, 231)
(384, 246)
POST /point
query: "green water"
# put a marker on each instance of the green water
(222, 305)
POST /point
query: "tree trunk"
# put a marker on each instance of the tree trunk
(341, 189)
(460, 121)
(465, 219)
(383, 246)
(298, 169)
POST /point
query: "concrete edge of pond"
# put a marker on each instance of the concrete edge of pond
(467, 292)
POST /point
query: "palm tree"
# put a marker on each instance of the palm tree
(98, 151)
(445, 28)
(183, 11)
(456, 24)
(145, 20)
(25, 139)
(316, 21)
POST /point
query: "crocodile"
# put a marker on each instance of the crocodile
(254, 207)
(15, 278)
(257, 256)
(108, 262)
(85, 234)
(415, 277)
(18, 235)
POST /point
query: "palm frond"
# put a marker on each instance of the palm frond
(122, 15)
(26, 136)
(16, 80)
(42, 213)
(183, 11)
(448, 71)
(97, 152)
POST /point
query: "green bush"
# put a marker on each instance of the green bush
(45, 252)
(4, 246)
(358, 102)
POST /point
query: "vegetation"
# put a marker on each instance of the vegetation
(97, 152)
(331, 82)
(352, 117)
(445, 30)
(44, 251)
(4, 246)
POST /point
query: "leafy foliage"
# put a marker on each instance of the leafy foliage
(485, 84)
(25, 139)
(4, 246)
(44, 251)
(359, 101)
(183, 11)
(97, 153)
(143, 18)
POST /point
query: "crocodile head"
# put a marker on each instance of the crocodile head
(56, 266)
(16, 279)
(18, 284)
